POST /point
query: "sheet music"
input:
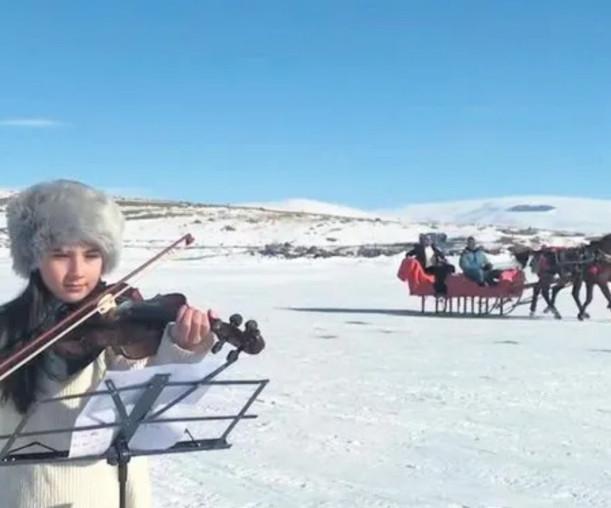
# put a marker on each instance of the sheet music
(101, 409)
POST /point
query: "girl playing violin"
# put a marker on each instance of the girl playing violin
(64, 237)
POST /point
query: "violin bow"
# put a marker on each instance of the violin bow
(103, 304)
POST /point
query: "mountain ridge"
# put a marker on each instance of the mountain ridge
(546, 212)
(301, 231)
(554, 213)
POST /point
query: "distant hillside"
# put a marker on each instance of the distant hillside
(312, 206)
(552, 213)
(310, 229)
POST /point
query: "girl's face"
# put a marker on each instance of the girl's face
(71, 272)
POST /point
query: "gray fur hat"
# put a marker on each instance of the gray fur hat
(59, 212)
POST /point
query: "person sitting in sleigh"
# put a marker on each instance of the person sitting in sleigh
(433, 262)
(475, 265)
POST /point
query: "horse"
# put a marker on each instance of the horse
(555, 268)
(595, 272)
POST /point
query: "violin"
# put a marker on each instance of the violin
(118, 317)
(134, 328)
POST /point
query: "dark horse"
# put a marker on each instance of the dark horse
(596, 272)
(555, 268)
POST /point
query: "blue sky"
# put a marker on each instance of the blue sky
(370, 104)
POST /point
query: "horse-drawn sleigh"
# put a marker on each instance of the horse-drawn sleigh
(554, 269)
(464, 296)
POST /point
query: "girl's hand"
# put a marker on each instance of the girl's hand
(192, 328)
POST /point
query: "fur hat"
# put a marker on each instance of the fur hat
(61, 212)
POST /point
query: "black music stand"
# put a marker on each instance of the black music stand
(127, 424)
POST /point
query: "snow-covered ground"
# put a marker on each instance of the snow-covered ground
(372, 405)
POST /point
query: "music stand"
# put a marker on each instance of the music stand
(127, 424)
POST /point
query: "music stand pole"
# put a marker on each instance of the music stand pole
(119, 453)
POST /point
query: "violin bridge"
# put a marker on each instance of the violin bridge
(106, 304)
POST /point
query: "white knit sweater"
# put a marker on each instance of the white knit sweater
(78, 484)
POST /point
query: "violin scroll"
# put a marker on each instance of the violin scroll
(248, 340)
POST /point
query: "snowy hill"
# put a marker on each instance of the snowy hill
(550, 213)
(298, 228)
(553, 213)
(312, 206)
(314, 230)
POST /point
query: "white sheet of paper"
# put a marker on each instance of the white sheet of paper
(102, 409)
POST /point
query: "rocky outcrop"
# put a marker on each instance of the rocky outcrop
(290, 251)
(287, 250)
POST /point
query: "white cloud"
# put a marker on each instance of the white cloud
(37, 123)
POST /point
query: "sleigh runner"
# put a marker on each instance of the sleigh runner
(465, 296)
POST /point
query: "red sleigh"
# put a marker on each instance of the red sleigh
(465, 296)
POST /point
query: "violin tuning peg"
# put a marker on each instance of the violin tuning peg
(235, 320)
(251, 326)
(216, 325)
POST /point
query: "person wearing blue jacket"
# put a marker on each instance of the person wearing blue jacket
(475, 265)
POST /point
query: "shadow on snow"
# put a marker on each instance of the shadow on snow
(430, 314)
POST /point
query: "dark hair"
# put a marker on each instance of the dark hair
(20, 320)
